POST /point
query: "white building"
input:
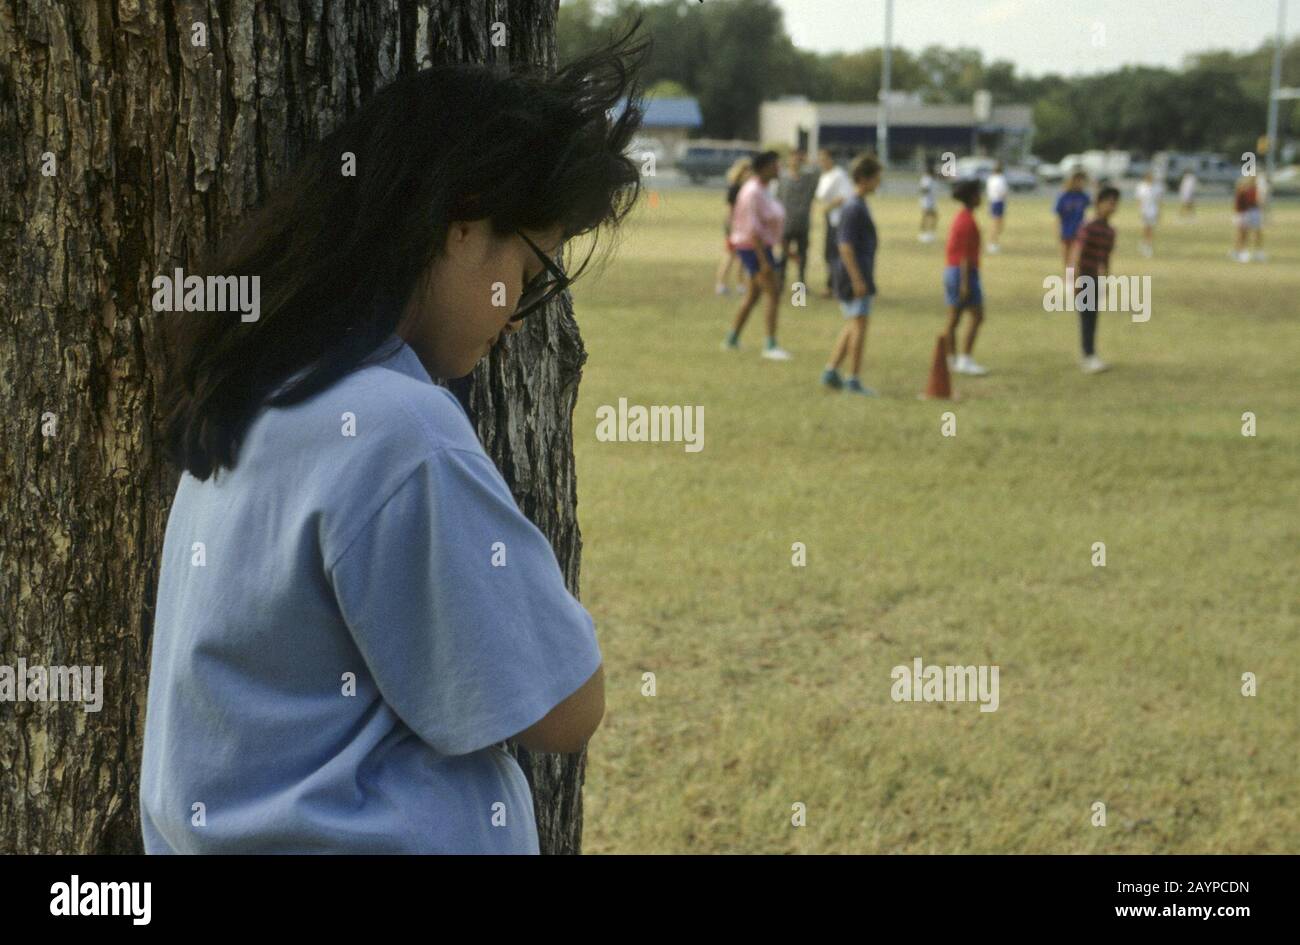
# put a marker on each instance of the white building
(849, 128)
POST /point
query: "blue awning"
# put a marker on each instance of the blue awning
(668, 113)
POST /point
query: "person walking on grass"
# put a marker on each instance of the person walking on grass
(929, 214)
(798, 186)
(1071, 205)
(997, 190)
(834, 189)
(1187, 194)
(1149, 193)
(1248, 220)
(756, 227)
(961, 279)
(1090, 259)
(854, 278)
(736, 177)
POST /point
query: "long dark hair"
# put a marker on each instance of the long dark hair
(338, 256)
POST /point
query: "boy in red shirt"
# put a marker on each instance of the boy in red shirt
(961, 278)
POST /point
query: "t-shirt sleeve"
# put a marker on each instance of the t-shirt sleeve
(852, 224)
(458, 606)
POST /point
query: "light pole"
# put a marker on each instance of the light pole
(1274, 90)
(882, 115)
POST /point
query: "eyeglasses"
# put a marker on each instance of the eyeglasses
(541, 288)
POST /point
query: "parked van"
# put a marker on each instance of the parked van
(701, 159)
(1210, 169)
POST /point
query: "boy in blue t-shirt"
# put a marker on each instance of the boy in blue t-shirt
(853, 277)
(1071, 205)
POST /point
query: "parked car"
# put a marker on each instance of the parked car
(1018, 179)
(1098, 165)
(1209, 168)
(1050, 173)
(1287, 182)
(978, 167)
(699, 160)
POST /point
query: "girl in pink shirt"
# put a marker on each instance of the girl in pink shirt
(756, 226)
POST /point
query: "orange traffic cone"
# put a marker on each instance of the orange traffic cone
(939, 387)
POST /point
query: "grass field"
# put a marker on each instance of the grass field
(1119, 684)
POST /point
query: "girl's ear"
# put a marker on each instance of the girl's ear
(458, 231)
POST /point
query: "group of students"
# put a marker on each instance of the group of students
(758, 222)
(1085, 251)
(1248, 195)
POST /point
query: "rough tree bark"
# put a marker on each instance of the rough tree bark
(150, 148)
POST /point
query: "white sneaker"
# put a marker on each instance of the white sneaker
(730, 345)
(777, 354)
(966, 365)
(720, 289)
(1243, 256)
(993, 249)
(1094, 365)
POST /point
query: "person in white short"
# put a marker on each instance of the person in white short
(1149, 193)
(997, 191)
(1187, 194)
(929, 210)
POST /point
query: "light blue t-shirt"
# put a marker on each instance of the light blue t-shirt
(347, 624)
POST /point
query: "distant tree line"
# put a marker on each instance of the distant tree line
(734, 54)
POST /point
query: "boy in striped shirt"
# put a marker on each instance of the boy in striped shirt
(1090, 258)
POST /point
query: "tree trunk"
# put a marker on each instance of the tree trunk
(124, 150)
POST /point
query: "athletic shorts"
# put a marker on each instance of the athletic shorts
(749, 259)
(952, 287)
(799, 238)
(1149, 217)
(927, 205)
(1249, 219)
(998, 208)
(856, 308)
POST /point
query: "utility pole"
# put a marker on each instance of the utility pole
(882, 119)
(1274, 89)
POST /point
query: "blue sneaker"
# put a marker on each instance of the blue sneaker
(854, 386)
(831, 378)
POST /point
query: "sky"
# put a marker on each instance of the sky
(1069, 37)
